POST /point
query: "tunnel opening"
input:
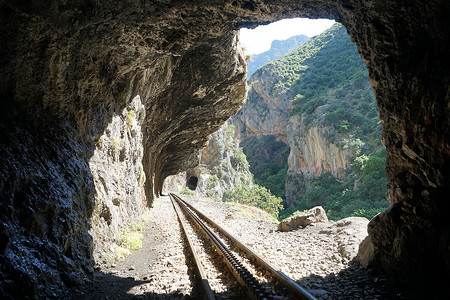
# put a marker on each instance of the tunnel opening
(192, 183)
(403, 46)
(331, 122)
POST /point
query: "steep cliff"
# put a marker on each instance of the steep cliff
(222, 164)
(333, 122)
(312, 154)
(315, 99)
(266, 109)
(119, 178)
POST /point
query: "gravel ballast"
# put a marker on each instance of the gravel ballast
(320, 257)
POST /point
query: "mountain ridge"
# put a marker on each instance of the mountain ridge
(278, 48)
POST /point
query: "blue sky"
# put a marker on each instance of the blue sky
(259, 39)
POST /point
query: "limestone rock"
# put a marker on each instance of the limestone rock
(266, 111)
(312, 155)
(174, 183)
(314, 215)
(222, 165)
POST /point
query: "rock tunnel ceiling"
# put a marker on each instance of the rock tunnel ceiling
(173, 72)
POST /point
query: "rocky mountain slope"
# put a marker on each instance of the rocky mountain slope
(317, 99)
(278, 48)
(222, 166)
(70, 68)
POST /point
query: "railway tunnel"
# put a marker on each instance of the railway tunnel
(192, 183)
(70, 73)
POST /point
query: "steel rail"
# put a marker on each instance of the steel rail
(298, 291)
(204, 279)
(254, 289)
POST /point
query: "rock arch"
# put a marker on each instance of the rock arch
(71, 68)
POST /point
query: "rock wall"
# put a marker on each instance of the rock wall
(47, 198)
(222, 165)
(312, 154)
(66, 69)
(174, 183)
(409, 72)
(315, 155)
(95, 98)
(119, 178)
(267, 108)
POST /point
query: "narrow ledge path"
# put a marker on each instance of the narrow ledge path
(318, 257)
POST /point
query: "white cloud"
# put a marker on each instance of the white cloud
(259, 39)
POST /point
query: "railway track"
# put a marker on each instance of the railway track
(257, 277)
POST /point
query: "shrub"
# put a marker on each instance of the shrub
(241, 160)
(116, 144)
(141, 176)
(187, 192)
(131, 116)
(132, 240)
(257, 196)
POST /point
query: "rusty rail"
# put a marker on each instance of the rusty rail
(201, 272)
(255, 289)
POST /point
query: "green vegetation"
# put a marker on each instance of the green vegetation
(141, 175)
(277, 49)
(328, 83)
(231, 169)
(116, 143)
(187, 192)
(269, 167)
(131, 116)
(336, 80)
(255, 195)
(132, 240)
(362, 193)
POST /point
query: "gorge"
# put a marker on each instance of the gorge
(95, 94)
(316, 105)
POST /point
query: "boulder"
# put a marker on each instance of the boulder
(314, 215)
(349, 234)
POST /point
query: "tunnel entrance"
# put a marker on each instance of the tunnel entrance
(192, 183)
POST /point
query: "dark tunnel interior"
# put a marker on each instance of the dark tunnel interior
(192, 183)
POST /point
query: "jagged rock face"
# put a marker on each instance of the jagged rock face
(267, 109)
(118, 173)
(47, 197)
(70, 76)
(222, 165)
(311, 155)
(68, 69)
(316, 155)
(409, 72)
